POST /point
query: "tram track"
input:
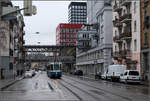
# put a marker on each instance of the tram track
(80, 89)
(117, 84)
(85, 84)
(74, 93)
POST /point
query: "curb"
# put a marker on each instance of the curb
(13, 82)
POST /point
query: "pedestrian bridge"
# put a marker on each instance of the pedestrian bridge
(49, 53)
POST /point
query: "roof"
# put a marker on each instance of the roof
(77, 3)
(67, 25)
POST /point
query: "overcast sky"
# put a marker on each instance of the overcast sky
(49, 15)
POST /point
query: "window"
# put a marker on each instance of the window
(135, 7)
(145, 38)
(125, 73)
(115, 33)
(102, 19)
(102, 29)
(115, 17)
(134, 26)
(135, 45)
(136, 73)
(124, 11)
(124, 45)
(115, 48)
(102, 39)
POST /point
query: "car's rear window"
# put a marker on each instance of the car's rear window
(133, 73)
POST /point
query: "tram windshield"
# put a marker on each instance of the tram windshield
(56, 66)
(51, 67)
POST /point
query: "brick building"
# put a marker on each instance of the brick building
(145, 38)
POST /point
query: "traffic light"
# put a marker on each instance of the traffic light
(28, 7)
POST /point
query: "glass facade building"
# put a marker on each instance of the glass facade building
(77, 13)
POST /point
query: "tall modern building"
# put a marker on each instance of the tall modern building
(77, 13)
(66, 34)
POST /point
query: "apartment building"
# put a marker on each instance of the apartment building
(145, 39)
(11, 34)
(126, 33)
(96, 41)
(93, 6)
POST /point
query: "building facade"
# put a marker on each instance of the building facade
(98, 56)
(66, 34)
(145, 39)
(126, 33)
(11, 25)
(77, 13)
(86, 38)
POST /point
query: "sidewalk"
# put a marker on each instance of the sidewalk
(145, 83)
(6, 83)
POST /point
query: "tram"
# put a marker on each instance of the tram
(54, 70)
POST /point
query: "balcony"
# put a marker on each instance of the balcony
(117, 39)
(127, 35)
(129, 61)
(116, 54)
(125, 2)
(117, 23)
(83, 39)
(126, 53)
(117, 8)
(126, 18)
(83, 47)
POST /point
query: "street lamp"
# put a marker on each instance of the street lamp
(37, 32)
(38, 42)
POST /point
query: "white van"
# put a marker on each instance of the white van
(132, 76)
(114, 72)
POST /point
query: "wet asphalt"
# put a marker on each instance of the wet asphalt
(73, 88)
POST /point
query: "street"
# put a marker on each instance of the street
(42, 88)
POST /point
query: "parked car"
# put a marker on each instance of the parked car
(33, 72)
(114, 72)
(78, 72)
(28, 74)
(72, 71)
(130, 76)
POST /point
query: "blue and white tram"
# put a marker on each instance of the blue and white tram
(54, 70)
